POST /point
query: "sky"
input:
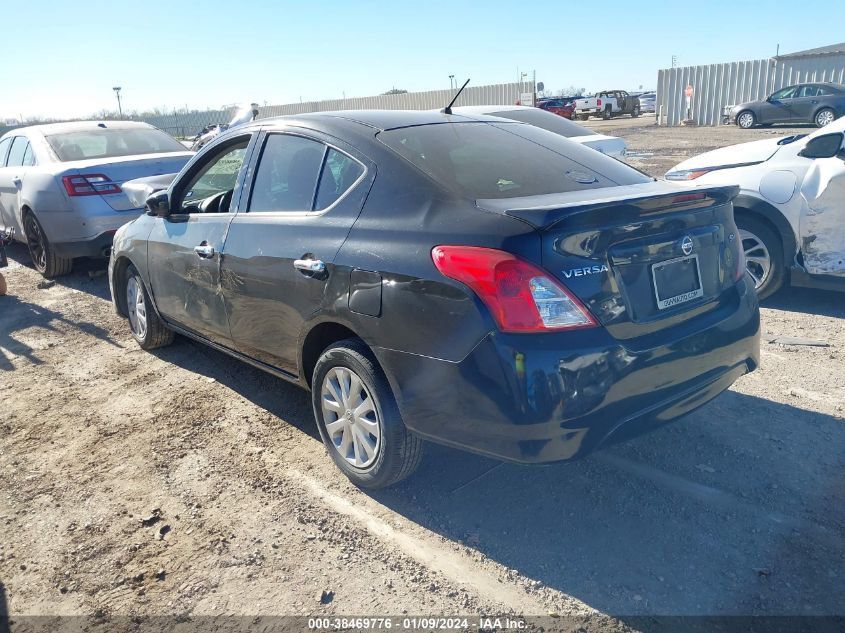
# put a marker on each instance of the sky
(62, 59)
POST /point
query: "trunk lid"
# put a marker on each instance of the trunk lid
(124, 168)
(643, 258)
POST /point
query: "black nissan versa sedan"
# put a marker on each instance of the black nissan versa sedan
(472, 281)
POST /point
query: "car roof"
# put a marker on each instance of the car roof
(381, 119)
(481, 110)
(81, 126)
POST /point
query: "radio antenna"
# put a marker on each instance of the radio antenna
(448, 108)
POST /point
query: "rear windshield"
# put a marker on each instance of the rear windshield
(545, 120)
(110, 143)
(506, 160)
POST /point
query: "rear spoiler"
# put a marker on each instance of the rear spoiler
(617, 204)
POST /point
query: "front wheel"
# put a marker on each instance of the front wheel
(746, 120)
(147, 328)
(763, 251)
(824, 117)
(358, 418)
(42, 252)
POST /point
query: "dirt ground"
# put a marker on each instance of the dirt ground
(185, 483)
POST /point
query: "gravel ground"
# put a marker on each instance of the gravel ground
(185, 483)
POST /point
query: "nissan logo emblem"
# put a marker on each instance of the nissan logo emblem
(687, 245)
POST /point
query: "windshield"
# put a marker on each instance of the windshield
(110, 143)
(506, 160)
(545, 120)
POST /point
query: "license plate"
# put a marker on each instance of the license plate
(676, 281)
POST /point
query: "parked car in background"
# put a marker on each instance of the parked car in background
(60, 184)
(611, 145)
(242, 115)
(606, 104)
(557, 106)
(648, 102)
(816, 103)
(478, 282)
(791, 206)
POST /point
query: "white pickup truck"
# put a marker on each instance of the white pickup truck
(606, 104)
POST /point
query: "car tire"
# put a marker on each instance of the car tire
(42, 253)
(606, 113)
(746, 119)
(764, 257)
(635, 112)
(3, 287)
(823, 117)
(147, 328)
(372, 448)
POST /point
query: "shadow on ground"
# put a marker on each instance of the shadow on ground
(738, 508)
(808, 301)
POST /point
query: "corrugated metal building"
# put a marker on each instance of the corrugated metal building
(718, 85)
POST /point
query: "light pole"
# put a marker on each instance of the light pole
(451, 82)
(119, 107)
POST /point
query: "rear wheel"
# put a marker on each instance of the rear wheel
(606, 113)
(147, 328)
(635, 112)
(41, 252)
(763, 255)
(358, 418)
(746, 120)
(825, 116)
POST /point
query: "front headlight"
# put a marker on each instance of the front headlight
(687, 174)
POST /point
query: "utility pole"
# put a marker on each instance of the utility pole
(119, 107)
(674, 60)
(451, 82)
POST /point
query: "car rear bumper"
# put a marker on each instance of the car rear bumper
(551, 397)
(99, 246)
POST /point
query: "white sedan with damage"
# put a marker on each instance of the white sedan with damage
(791, 207)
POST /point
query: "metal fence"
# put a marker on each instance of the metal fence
(718, 85)
(497, 94)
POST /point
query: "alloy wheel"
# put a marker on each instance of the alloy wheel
(758, 261)
(35, 242)
(136, 306)
(350, 417)
(746, 120)
(824, 117)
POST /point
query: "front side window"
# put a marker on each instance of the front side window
(4, 149)
(111, 143)
(506, 160)
(287, 174)
(785, 93)
(16, 154)
(211, 189)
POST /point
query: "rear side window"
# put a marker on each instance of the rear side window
(340, 172)
(546, 121)
(507, 160)
(16, 154)
(111, 143)
(28, 156)
(287, 174)
(4, 149)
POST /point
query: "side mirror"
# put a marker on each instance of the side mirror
(824, 146)
(158, 204)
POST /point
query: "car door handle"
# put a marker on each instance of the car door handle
(309, 265)
(204, 251)
(17, 181)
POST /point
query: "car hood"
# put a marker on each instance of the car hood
(742, 154)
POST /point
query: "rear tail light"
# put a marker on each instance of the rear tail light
(687, 174)
(598, 102)
(521, 296)
(89, 185)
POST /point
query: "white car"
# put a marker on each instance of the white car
(61, 185)
(613, 146)
(791, 206)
